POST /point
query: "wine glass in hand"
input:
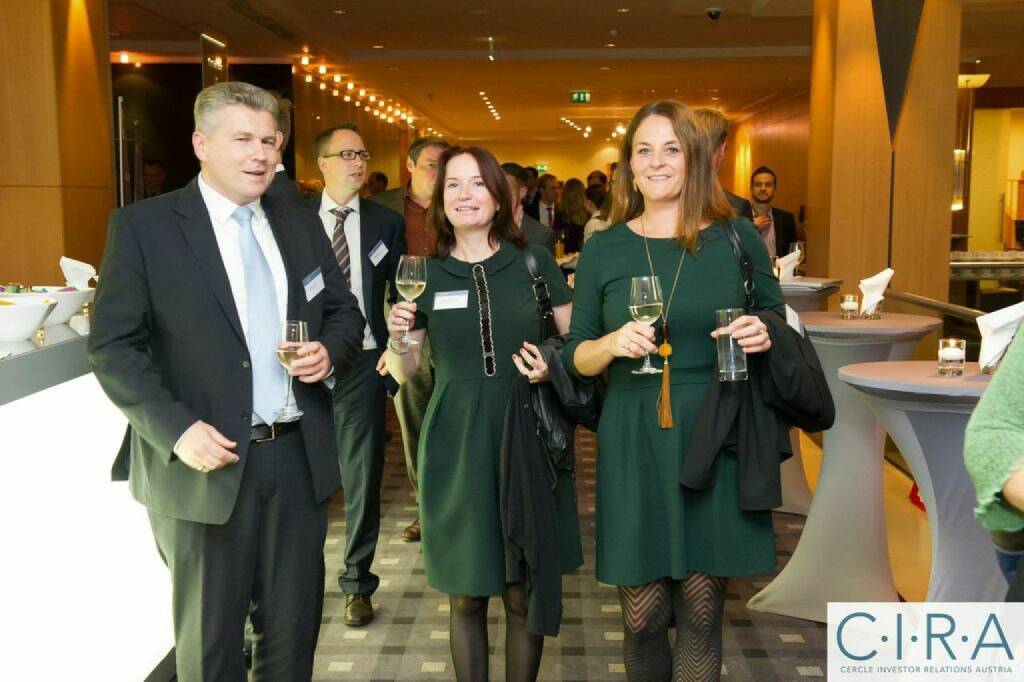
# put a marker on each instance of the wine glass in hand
(410, 281)
(294, 333)
(645, 307)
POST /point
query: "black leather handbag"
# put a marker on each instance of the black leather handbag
(563, 402)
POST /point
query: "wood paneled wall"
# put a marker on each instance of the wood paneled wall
(57, 187)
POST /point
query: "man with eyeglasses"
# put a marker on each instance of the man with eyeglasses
(367, 240)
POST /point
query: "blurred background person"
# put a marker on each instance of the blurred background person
(777, 226)
(717, 128)
(376, 182)
(534, 232)
(573, 215)
(598, 205)
(597, 178)
(545, 204)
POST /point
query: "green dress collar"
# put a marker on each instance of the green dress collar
(505, 255)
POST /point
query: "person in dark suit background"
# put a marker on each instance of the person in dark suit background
(412, 202)
(717, 128)
(534, 232)
(544, 207)
(283, 187)
(777, 226)
(368, 241)
(194, 287)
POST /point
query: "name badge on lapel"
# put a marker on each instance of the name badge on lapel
(378, 252)
(313, 283)
(451, 300)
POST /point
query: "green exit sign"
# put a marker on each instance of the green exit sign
(541, 167)
(580, 97)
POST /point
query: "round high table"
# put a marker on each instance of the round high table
(796, 496)
(842, 554)
(926, 415)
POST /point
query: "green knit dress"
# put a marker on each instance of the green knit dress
(994, 441)
(648, 526)
(462, 538)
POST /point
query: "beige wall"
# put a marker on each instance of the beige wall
(998, 156)
(57, 186)
(775, 137)
(565, 159)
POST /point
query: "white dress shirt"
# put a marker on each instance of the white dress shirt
(225, 230)
(542, 214)
(353, 235)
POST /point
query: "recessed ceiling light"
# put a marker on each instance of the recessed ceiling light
(347, 98)
(623, 10)
(305, 48)
(337, 78)
(362, 92)
(305, 61)
(323, 86)
(138, 65)
(605, 68)
(378, 47)
(609, 44)
(977, 61)
(309, 78)
(322, 69)
(340, 11)
(715, 99)
(335, 92)
(351, 85)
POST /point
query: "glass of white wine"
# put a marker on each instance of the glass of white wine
(410, 281)
(645, 307)
(294, 333)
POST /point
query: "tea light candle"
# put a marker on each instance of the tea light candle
(848, 305)
(951, 354)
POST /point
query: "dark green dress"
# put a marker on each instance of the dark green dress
(648, 526)
(463, 545)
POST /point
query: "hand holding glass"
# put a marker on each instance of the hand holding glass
(645, 307)
(410, 281)
(294, 333)
(732, 361)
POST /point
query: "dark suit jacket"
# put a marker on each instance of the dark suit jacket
(376, 224)
(785, 230)
(393, 199)
(536, 233)
(283, 188)
(740, 205)
(168, 349)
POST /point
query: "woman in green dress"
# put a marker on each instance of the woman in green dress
(480, 314)
(668, 549)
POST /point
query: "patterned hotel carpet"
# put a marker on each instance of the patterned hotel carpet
(409, 638)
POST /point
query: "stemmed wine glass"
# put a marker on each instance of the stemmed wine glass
(410, 281)
(645, 307)
(294, 333)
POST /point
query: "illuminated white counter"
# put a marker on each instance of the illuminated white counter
(84, 593)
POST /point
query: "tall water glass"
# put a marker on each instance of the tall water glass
(732, 361)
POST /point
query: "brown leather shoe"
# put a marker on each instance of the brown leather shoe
(358, 610)
(412, 532)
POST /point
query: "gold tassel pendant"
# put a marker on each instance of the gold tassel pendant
(665, 398)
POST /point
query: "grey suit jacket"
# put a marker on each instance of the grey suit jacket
(536, 233)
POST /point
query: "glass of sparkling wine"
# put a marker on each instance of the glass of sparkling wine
(645, 307)
(410, 281)
(294, 333)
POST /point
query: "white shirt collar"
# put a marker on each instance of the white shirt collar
(278, 168)
(220, 207)
(328, 204)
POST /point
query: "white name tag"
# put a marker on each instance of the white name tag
(451, 300)
(313, 284)
(378, 252)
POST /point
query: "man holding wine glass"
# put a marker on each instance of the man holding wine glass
(234, 463)
(367, 239)
(776, 226)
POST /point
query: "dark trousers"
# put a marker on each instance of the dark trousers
(359, 399)
(274, 538)
(410, 407)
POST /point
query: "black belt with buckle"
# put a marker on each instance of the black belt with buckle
(262, 433)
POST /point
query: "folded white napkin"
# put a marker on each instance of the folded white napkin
(787, 264)
(76, 273)
(873, 290)
(997, 330)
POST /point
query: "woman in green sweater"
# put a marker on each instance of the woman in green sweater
(665, 547)
(994, 454)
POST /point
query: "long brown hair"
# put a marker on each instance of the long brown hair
(572, 202)
(702, 199)
(502, 227)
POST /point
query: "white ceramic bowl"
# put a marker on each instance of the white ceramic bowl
(21, 320)
(68, 302)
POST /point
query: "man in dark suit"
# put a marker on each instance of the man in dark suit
(717, 128)
(283, 187)
(368, 241)
(777, 227)
(534, 232)
(412, 202)
(195, 286)
(544, 209)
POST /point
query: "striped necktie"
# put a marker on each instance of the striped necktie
(264, 327)
(340, 244)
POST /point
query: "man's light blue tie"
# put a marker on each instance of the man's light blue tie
(268, 377)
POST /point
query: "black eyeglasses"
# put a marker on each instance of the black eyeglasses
(350, 155)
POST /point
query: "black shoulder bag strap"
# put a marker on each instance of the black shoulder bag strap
(746, 267)
(542, 294)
